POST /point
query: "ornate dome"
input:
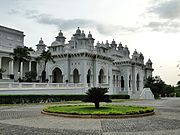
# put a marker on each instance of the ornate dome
(60, 34)
(78, 31)
(55, 43)
(113, 42)
(83, 34)
(89, 35)
(41, 41)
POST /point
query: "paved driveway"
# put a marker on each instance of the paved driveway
(27, 120)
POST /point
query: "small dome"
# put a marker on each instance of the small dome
(113, 42)
(78, 31)
(55, 43)
(107, 44)
(135, 52)
(98, 44)
(60, 34)
(83, 34)
(41, 41)
(89, 35)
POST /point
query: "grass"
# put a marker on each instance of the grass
(103, 110)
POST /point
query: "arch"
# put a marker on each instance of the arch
(101, 76)
(114, 80)
(89, 76)
(137, 82)
(130, 82)
(57, 76)
(122, 82)
(117, 81)
(75, 76)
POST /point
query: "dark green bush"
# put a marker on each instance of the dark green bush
(17, 99)
(119, 97)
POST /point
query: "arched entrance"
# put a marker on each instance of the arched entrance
(101, 76)
(89, 76)
(57, 76)
(75, 76)
(137, 82)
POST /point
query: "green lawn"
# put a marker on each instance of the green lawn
(104, 109)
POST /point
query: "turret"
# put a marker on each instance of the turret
(120, 47)
(126, 52)
(78, 33)
(149, 64)
(60, 38)
(40, 46)
(113, 45)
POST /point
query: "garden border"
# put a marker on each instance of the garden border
(95, 116)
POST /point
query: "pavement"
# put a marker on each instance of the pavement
(28, 120)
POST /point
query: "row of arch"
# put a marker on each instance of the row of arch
(117, 82)
(58, 76)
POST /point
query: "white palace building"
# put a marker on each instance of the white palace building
(80, 61)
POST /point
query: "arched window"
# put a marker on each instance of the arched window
(122, 82)
(114, 80)
(89, 76)
(130, 82)
(76, 76)
(117, 81)
(137, 82)
(101, 76)
(57, 76)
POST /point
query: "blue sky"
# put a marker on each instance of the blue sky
(150, 26)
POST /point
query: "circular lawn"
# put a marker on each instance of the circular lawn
(105, 111)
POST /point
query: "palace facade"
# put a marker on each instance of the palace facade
(79, 61)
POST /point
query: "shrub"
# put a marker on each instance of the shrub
(97, 95)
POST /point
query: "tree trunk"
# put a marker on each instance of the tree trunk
(43, 76)
(96, 105)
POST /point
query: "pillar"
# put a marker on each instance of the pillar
(29, 66)
(37, 71)
(21, 70)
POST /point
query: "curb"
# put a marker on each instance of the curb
(91, 116)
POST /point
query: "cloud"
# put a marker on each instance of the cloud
(60, 23)
(165, 15)
(166, 9)
(167, 26)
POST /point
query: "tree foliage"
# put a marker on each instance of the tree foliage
(158, 86)
(30, 76)
(21, 54)
(45, 56)
(97, 95)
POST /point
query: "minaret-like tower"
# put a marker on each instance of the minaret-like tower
(41, 46)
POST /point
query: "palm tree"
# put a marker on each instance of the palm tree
(97, 95)
(21, 54)
(45, 56)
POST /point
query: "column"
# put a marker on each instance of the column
(11, 67)
(29, 66)
(37, 71)
(21, 70)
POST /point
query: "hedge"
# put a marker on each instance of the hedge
(20, 99)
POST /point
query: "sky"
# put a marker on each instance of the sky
(150, 26)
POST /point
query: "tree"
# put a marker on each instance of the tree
(158, 86)
(178, 83)
(97, 95)
(21, 54)
(30, 76)
(45, 56)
